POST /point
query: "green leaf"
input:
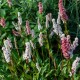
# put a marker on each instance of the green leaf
(2, 12)
(49, 73)
(32, 64)
(3, 35)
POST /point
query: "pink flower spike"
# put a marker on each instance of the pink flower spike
(65, 46)
(28, 27)
(62, 11)
(2, 22)
(15, 32)
(40, 7)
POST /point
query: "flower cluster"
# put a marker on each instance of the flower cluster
(34, 53)
(62, 11)
(48, 18)
(74, 66)
(7, 49)
(33, 33)
(28, 27)
(27, 54)
(40, 39)
(67, 47)
(75, 43)
(40, 7)
(16, 33)
(57, 28)
(19, 19)
(17, 26)
(39, 25)
(2, 22)
(32, 44)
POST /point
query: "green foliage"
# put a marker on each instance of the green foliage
(52, 64)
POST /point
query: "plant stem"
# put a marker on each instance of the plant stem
(50, 53)
(15, 42)
(66, 30)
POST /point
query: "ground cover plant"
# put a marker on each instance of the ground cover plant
(39, 40)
